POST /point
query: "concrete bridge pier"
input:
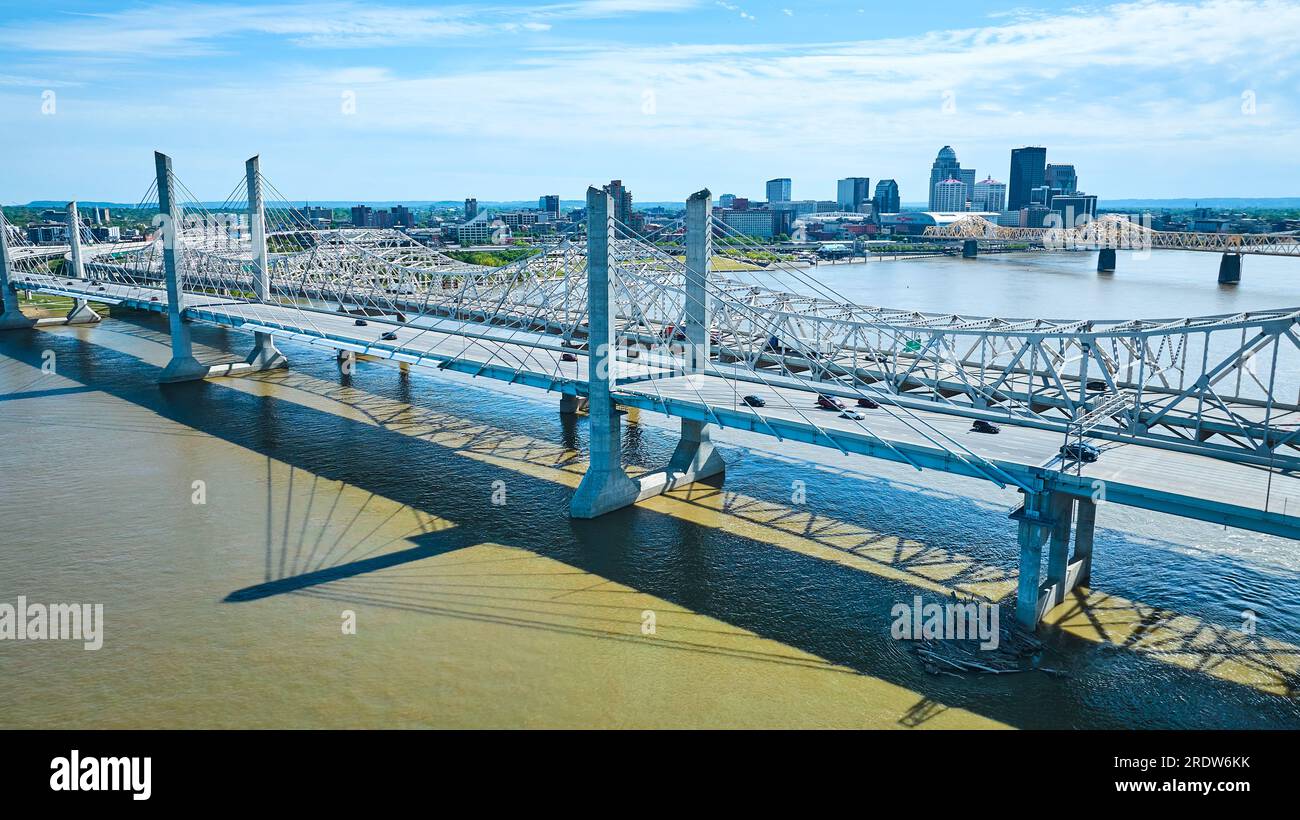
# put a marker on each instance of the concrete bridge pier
(11, 318)
(1049, 518)
(183, 366)
(265, 354)
(606, 487)
(1106, 260)
(1230, 269)
(970, 248)
(81, 312)
(570, 405)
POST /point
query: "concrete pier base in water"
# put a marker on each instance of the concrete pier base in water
(570, 405)
(1049, 518)
(1230, 269)
(970, 248)
(1106, 260)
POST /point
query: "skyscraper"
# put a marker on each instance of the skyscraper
(967, 178)
(471, 208)
(1028, 171)
(778, 190)
(886, 200)
(945, 167)
(852, 192)
(549, 203)
(1062, 177)
(990, 195)
(949, 195)
(622, 201)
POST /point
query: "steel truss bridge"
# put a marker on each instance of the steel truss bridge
(1111, 232)
(1196, 416)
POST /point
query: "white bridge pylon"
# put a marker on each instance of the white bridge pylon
(620, 319)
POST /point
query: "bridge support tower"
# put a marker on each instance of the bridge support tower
(265, 355)
(606, 486)
(1051, 518)
(81, 311)
(970, 248)
(1230, 269)
(183, 366)
(1106, 260)
(12, 317)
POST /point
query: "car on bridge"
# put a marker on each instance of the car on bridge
(982, 426)
(826, 402)
(754, 401)
(851, 414)
(1081, 451)
(390, 336)
(568, 357)
(870, 404)
(360, 323)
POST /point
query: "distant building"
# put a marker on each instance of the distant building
(402, 217)
(990, 195)
(727, 200)
(1028, 171)
(622, 201)
(852, 193)
(778, 190)
(1074, 208)
(949, 195)
(886, 200)
(471, 208)
(1062, 177)
(550, 204)
(47, 233)
(761, 222)
(362, 216)
(483, 232)
(967, 178)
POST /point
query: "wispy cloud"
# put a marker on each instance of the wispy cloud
(200, 28)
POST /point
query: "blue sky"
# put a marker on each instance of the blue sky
(385, 100)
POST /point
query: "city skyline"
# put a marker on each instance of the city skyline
(445, 102)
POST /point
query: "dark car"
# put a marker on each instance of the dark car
(826, 402)
(390, 336)
(360, 323)
(754, 401)
(1082, 451)
(870, 404)
(982, 426)
(568, 357)
(1096, 384)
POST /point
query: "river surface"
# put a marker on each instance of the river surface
(432, 509)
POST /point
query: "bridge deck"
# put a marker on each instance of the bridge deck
(1190, 485)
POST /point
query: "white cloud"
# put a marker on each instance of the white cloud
(196, 28)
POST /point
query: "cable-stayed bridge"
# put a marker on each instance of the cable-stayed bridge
(1195, 416)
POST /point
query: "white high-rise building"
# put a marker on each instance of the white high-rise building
(950, 195)
(990, 195)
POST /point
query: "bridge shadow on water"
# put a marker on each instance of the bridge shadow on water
(812, 578)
